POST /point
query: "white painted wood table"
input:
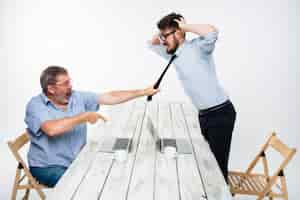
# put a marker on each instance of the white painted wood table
(146, 173)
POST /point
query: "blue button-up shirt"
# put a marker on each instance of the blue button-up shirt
(60, 150)
(196, 70)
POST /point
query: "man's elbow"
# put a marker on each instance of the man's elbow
(49, 130)
(213, 28)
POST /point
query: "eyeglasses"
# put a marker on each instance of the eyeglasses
(164, 37)
(65, 83)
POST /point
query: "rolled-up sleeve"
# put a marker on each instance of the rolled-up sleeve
(207, 42)
(36, 114)
(159, 49)
(91, 101)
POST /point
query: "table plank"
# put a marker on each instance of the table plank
(191, 187)
(70, 181)
(166, 178)
(215, 186)
(119, 115)
(118, 181)
(141, 183)
(94, 180)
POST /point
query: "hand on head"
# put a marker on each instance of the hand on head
(181, 22)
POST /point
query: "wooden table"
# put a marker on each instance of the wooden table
(147, 173)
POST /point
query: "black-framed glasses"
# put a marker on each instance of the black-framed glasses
(164, 37)
(65, 83)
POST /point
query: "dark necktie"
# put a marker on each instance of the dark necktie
(156, 85)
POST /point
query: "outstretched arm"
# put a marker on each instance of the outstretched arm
(121, 96)
(61, 126)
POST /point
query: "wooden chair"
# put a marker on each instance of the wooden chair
(15, 146)
(262, 184)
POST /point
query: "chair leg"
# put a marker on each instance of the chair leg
(232, 193)
(260, 198)
(269, 195)
(39, 190)
(26, 196)
(41, 194)
(16, 184)
(284, 188)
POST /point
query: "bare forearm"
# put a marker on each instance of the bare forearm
(61, 126)
(121, 96)
(199, 29)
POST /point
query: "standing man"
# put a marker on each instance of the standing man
(57, 119)
(195, 67)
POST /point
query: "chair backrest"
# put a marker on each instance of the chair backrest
(19, 142)
(16, 145)
(286, 152)
(275, 143)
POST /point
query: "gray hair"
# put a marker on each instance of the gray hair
(48, 76)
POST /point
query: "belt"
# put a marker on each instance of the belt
(214, 108)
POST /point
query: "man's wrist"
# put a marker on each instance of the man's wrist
(183, 27)
(141, 92)
(82, 117)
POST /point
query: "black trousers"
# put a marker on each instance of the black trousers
(216, 127)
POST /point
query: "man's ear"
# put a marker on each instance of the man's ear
(50, 89)
(180, 34)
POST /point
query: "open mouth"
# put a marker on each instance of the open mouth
(68, 94)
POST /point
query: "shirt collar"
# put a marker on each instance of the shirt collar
(45, 98)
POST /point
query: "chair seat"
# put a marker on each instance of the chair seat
(243, 183)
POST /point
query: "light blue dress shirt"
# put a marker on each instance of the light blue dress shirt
(61, 150)
(196, 70)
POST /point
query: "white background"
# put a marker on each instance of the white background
(103, 45)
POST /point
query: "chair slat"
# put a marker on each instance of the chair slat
(251, 184)
(257, 186)
(280, 146)
(244, 184)
(19, 142)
